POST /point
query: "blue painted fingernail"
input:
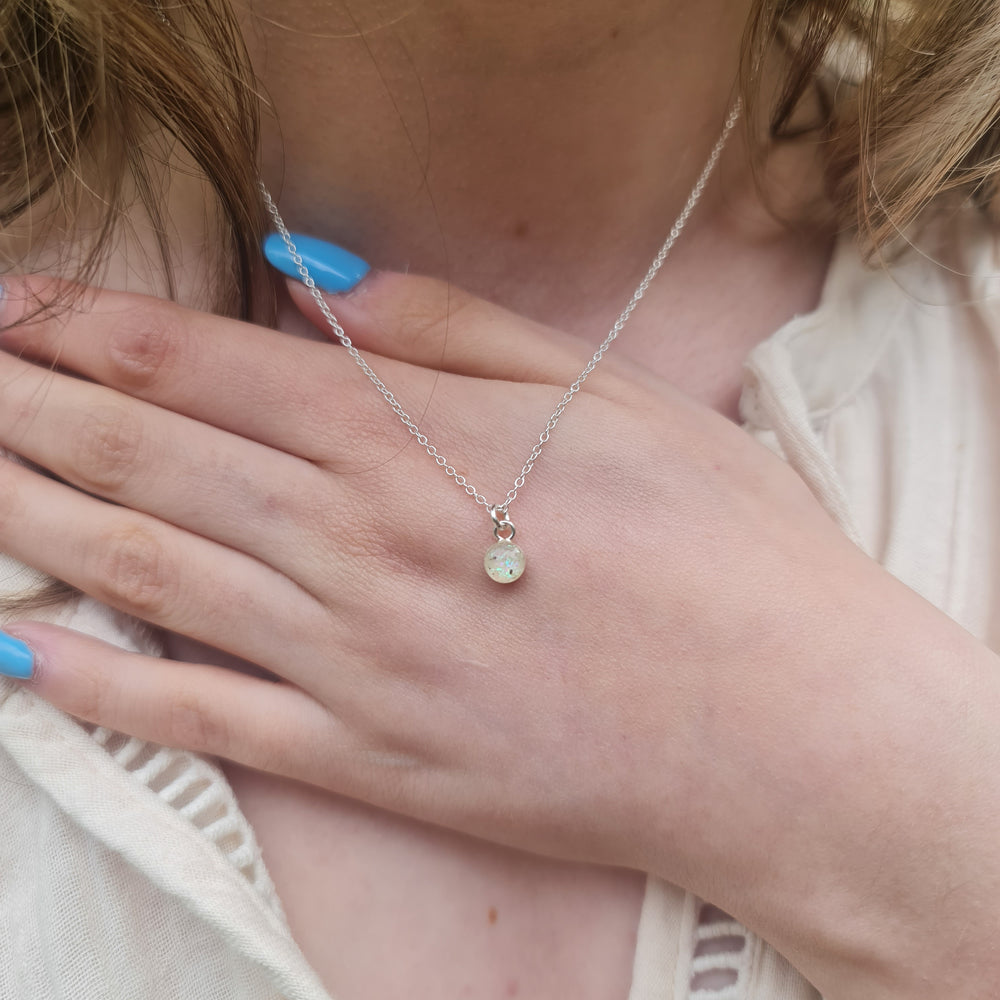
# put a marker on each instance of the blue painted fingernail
(16, 659)
(333, 268)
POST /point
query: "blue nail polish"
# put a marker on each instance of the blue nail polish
(332, 268)
(16, 659)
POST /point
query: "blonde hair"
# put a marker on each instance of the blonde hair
(910, 98)
(99, 101)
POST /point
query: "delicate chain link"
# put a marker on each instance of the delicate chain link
(675, 231)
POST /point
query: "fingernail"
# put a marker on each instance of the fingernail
(333, 268)
(16, 659)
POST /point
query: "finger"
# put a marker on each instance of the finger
(152, 570)
(272, 726)
(437, 325)
(283, 391)
(237, 492)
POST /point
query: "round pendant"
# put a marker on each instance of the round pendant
(504, 561)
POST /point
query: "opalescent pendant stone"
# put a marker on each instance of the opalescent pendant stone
(504, 561)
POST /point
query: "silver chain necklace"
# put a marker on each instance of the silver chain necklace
(505, 561)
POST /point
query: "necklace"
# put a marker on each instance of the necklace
(504, 560)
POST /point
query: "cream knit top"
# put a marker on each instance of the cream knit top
(127, 871)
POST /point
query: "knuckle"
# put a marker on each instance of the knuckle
(192, 723)
(366, 545)
(374, 439)
(90, 697)
(144, 347)
(107, 444)
(12, 504)
(382, 546)
(426, 309)
(135, 574)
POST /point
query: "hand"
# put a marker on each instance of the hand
(274, 507)
(682, 682)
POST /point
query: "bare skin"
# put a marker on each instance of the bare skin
(474, 145)
(534, 155)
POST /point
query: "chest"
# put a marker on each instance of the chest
(382, 906)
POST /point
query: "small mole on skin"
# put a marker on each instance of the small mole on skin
(492, 915)
(521, 230)
(615, 32)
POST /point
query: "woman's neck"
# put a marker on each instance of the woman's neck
(535, 154)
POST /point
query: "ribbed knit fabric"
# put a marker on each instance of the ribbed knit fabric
(128, 872)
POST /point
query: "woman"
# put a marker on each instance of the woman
(701, 674)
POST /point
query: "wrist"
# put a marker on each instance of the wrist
(901, 875)
(866, 849)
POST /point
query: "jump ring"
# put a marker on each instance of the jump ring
(503, 528)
